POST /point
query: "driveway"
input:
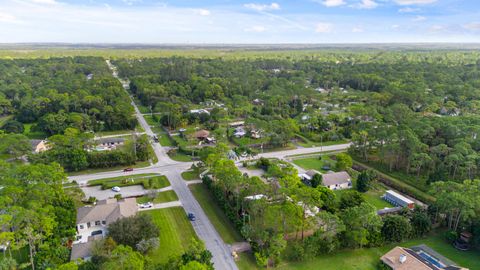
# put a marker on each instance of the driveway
(131, 191)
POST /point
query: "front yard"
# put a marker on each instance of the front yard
(176, 233)
(314, 163)
(161, 197)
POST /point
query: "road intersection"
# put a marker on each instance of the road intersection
(222, 258)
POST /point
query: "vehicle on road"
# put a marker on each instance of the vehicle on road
(146, 205)
(191, 216)
(116, 189)
(127, 169)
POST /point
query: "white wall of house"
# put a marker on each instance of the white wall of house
(84, 230)
(340, 186)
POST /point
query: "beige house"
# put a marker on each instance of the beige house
(417, 258)
(39, 146)
(337, 180)
(92, 222)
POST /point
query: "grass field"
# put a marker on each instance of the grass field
(314, 163)
(181, 157)
(223, 226)
(140, 164)
(176, 233)
(190, 175)
(148, 181)
(373, 196)
(366, 259)
(162, 197)
(305, 142)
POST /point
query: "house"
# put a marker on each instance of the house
(398, 199)
(308, 175)
(92, 222)
(236, 124)
(257, 102)
(199, 111)
(39, 146)
(337, 180)
(107, 144)
(89, 77)
(255, 134)
(321, 90)
(417, 258)
(202, 134)
(239, 132)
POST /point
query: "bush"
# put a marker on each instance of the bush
(451, 236)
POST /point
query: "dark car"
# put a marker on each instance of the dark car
(127, 169)
(191, 216)
(155, 138)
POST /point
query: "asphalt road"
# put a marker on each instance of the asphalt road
(221, 252)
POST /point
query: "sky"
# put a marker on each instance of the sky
(239, 22)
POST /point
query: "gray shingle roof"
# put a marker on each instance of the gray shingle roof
(109, 210)
(336, 178)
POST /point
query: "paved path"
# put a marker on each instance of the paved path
(130, 191)
(222, 258)
(162, 205)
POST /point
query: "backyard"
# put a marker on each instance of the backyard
(314, 163)
(176, 233)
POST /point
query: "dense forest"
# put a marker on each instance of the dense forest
(57, 93)
(415, 112)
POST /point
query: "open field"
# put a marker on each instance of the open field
(176, 232)
(181, 157)
(162, 197)
(148, 181)
(221, 223)
(367, 258)
(190, 175)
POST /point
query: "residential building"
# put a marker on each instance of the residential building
(39, 146)
(308, 175)
(398, 199)
(199, 111)
(417, 258)
(107, 144)
(337, 180)
(92, 222)
(239, 132)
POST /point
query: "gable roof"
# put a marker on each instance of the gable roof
(35, 143)
(311, 173)
(109, 210)
(202, 133)
(336, 178)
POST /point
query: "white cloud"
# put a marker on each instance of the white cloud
(256, 29)
(419, 19)
(395, 26)
(408, 10)
(474, 26)
(366, 4)
(332, 3)
(357, 29)
(8, 18)
(48, 2)
(262, 7)
(323, 28)
(414, 2)
(202, 12)
(437, 28)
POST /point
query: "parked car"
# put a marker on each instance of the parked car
(191, 216)
(127, 169)
(116, 189)
(146, 205)
(155, 138)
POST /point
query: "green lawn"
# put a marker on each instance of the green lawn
(165, 140)
(181, 157)
(140, 164)
(148, 181)
(162, 197)
(176, 232)
(114, 132)
(363, 259)
(305, 142)
(246, 261)
(223, 226)
(190, 175)
(314, 163)
(373, 196)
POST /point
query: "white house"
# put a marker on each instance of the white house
(92, 222)
(199, 111)
(337, 180)
(39, 146)
(239, 132)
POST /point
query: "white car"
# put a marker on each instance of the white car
(146, 205)
(116, 189)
